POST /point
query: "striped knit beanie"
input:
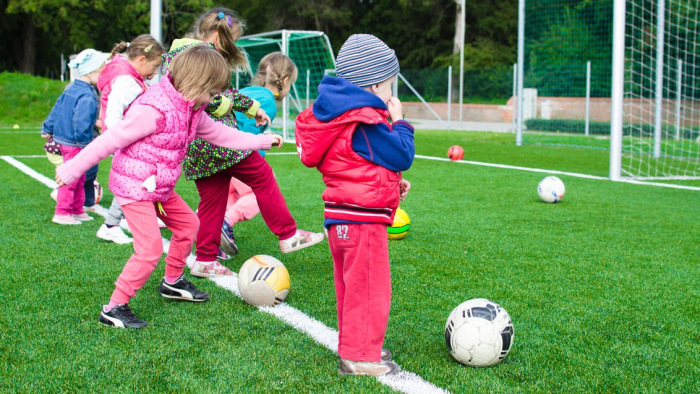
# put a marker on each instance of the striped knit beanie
(366, 60)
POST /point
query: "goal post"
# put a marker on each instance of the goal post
(312, 53)
(655, 119)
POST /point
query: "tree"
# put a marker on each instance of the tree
(42, 30)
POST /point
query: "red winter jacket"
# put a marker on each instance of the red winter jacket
(357, 190)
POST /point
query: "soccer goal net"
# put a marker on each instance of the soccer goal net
(658, 132)
(567, 58)
(312, 53)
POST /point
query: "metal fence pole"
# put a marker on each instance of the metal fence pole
(679, 90)
(449, 97)
(588, 96)
(515, 96)
(521, 59)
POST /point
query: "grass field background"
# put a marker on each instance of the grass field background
(603, 288)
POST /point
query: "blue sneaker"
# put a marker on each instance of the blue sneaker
(228, 240)
(221, 255)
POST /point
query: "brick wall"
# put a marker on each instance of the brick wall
(555, 108)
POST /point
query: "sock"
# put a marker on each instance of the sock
(109, 306)
(171, 279)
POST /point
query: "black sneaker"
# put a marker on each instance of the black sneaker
(182, 289)
(122, 317)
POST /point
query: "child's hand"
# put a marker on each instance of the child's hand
(59, 181)
(46, 136)
(404, 187)
(261, 118)
(395, 109)
(276, 140)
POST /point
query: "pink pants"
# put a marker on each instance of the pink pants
(71, 197)
(241, 204)
(148, 244)
(213, 195)
(362, 288)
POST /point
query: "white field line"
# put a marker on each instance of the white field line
(505, 166)
(573, 174)
(404, 381)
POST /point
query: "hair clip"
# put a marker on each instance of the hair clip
(148, 48)
(229, 19)
(128, 44)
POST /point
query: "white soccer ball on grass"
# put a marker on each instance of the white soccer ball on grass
(551, 189)
(479, 333)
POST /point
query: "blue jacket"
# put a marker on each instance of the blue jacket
(267, 103)
(390, 147)
(72, 119)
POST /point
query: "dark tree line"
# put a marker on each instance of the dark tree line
(422, 32)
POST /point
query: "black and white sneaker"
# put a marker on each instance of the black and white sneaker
(182, 289)
(122, 317)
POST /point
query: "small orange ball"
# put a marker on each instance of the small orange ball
(455, 153)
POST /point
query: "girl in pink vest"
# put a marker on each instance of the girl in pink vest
(211, 167)
(149, 146)
(121, 82)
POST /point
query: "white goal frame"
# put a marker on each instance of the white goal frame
(667, 113)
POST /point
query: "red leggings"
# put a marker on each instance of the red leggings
(213, 190)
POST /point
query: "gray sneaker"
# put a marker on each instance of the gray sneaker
(349, 367)
(386, 355)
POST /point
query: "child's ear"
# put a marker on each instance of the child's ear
(374, 88)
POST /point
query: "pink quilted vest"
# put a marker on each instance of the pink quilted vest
(117, 67)
(160, 153)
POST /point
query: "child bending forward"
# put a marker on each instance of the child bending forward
(149, 145)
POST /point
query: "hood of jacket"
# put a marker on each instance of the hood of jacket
(340, 104)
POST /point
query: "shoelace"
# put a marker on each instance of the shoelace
(126, 312)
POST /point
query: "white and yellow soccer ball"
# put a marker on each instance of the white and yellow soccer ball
(551, 189)
(263, 280)
(479, 333)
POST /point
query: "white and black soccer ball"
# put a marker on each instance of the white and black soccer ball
(551, 189)
(263, 280)
(479, 333)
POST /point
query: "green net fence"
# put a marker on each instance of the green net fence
(313, 56)
(567, 72)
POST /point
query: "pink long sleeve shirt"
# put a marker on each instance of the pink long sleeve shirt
(151, 141)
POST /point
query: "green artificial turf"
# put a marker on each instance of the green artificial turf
(603, 287)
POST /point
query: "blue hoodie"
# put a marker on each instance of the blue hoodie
(390, 148)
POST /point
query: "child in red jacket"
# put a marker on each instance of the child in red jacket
(347, 137)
